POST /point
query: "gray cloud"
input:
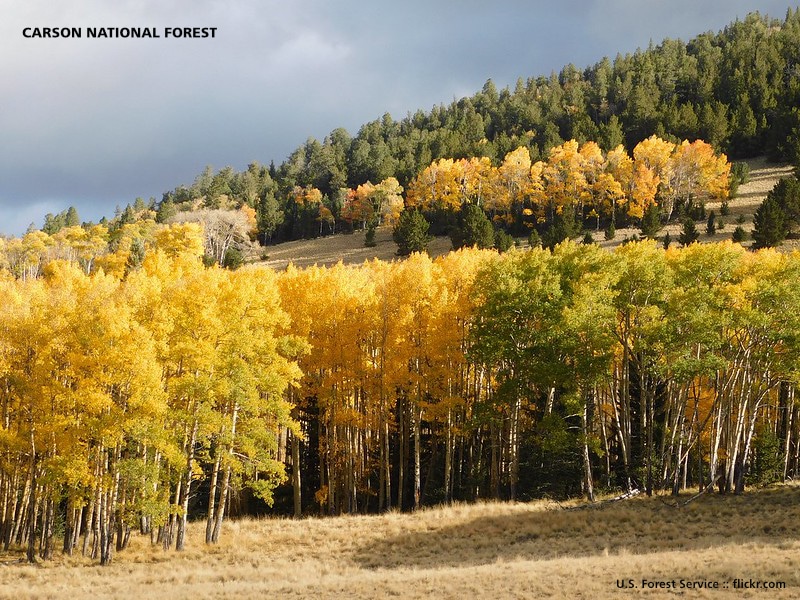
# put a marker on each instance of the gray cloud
(96, 123)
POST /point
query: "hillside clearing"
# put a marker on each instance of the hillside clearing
(349, 248)
(539, 549)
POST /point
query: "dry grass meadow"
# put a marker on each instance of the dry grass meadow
(350, 248)
(489, 550)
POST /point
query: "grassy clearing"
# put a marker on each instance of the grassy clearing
(350, 248)
(540, 549)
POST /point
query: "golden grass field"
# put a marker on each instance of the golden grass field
(349, 248)
(487, 550)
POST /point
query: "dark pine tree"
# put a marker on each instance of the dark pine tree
(411, 233)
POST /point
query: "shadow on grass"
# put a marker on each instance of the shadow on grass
(636, 526)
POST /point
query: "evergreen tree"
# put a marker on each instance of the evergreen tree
(711, 223)
(51, 224)
(689, 233)
(127, 217)
(769, 224)
(269, 216)
(233, 259)
(564, 227)
(71, 219)
(503, 241)
(411, 233)
(778, 214)
(651, 221)
(136, 255)
(166, 210)
(473, 229)
(739, 234)
(369, 238)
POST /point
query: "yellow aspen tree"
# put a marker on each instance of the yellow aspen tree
(607, 194)
(28, 257)
(130, 244)
(565, 183)
(538, 196)
(386, 366)
(697, 174)
(457, 388)
(643, 189)
(358, 206)
(475, 177)
(655, 154)
(387, 200)
(305, 196)
(190, 356)
(436, 187)
(256, 363)
(620, 166)
(180, 239)
(511, 186)
(416, 278)
(24, 337)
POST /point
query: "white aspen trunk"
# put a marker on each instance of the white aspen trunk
(76, 531)
(587, 465)
(514, 446)
(108, 522)
(624, 451)
(223, 500)
(12, 518)
(180, 538)
(448, 456)
(722, 407)
(212, 496)
(223, 495)
(32, 502)
(102, 526)
(789, 424)
(387, 466)
(735, 440)
(606, 446)
(749, 438)
(296, 489)
(402, 452)
(417, 456)
(47, 530)
(90, 521)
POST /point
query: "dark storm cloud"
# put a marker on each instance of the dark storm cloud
(96, 123)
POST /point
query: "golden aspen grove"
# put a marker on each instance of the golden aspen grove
(577, 180)
(141, 388)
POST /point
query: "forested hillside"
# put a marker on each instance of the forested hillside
(738, 89)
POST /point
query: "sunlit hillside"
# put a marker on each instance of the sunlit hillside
(350, 248)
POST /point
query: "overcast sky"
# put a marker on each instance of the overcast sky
(97, 122)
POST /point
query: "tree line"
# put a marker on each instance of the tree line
(169, 390)
(480, 375)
